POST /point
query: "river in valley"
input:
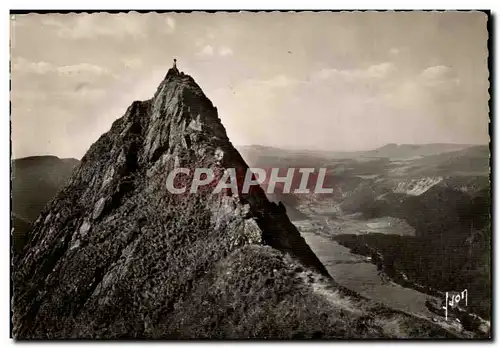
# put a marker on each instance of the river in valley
(356, 273)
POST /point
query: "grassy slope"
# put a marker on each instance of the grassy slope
(256, 292)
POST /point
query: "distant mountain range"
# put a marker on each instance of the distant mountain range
(392, 151)
(441, 190)
(402, 151)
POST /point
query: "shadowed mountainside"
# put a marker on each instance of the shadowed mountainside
(35, 181)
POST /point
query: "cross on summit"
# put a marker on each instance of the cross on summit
(174, 67)
(174, 70)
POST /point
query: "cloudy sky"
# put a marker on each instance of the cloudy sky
(331, 81)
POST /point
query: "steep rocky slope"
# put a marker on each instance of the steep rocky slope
(115, 255)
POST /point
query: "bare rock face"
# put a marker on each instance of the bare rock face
(123, 250)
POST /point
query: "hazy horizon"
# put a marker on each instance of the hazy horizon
(315, 81)
(239, 146)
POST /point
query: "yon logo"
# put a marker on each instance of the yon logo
(454, 300)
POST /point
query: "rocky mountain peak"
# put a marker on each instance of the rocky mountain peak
(115, 251)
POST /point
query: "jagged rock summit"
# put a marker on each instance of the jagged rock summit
(116, 255)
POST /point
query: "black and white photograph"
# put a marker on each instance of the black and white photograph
(250, 175)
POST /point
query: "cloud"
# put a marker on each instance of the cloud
(25, 66)
(22, 65)
(84, 94)
(132, 63)
(394, 51)
(255, 89)
(85, 26)
(380, 70)
(225, 51)
(199, 42)
(170, 25)
(433, 86)
(436, 75)
(373, 72)
(207, 50)
(435, 71)
(279, 81)
(207, 47)
(383, 86)
(83, 68)
(81, 94)
(441, 83)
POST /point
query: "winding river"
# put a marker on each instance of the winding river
(356, 273)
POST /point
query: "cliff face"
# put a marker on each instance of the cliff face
(115, 241)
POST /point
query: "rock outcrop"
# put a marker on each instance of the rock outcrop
(116, 255)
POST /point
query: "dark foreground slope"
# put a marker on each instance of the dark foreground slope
(35, 181)
(115, 255)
